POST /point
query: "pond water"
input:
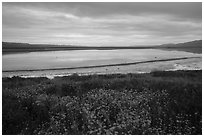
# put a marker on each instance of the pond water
(81, 58)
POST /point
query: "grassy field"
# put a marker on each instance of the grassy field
(155, 103)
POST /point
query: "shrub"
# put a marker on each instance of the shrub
(68, 89)
(156, 103)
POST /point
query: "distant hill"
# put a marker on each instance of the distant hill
(13, 44)
(192, 46)
(10, 47)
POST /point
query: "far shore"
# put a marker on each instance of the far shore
(43, 49)
(13, 50)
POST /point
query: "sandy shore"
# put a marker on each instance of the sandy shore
(108, 65)
(185, 63)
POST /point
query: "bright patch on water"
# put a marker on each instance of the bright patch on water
(80, 58)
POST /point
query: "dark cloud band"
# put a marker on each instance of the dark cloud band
(102, 23)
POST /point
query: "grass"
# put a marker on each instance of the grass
(155, 103)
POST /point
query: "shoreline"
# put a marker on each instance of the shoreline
(99, 74)
(6, 51)
(102, 74)
(99, 66)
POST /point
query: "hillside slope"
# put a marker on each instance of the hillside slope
(192, 46)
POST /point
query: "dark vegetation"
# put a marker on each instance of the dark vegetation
(9, 47)
(155, 103)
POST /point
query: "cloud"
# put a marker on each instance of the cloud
(100, 24)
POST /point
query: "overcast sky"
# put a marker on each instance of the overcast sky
(102, 24)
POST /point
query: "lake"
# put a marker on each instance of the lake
(81, 58)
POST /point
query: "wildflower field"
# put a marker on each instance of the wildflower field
(123, 104)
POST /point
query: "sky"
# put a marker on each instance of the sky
(101, 24)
